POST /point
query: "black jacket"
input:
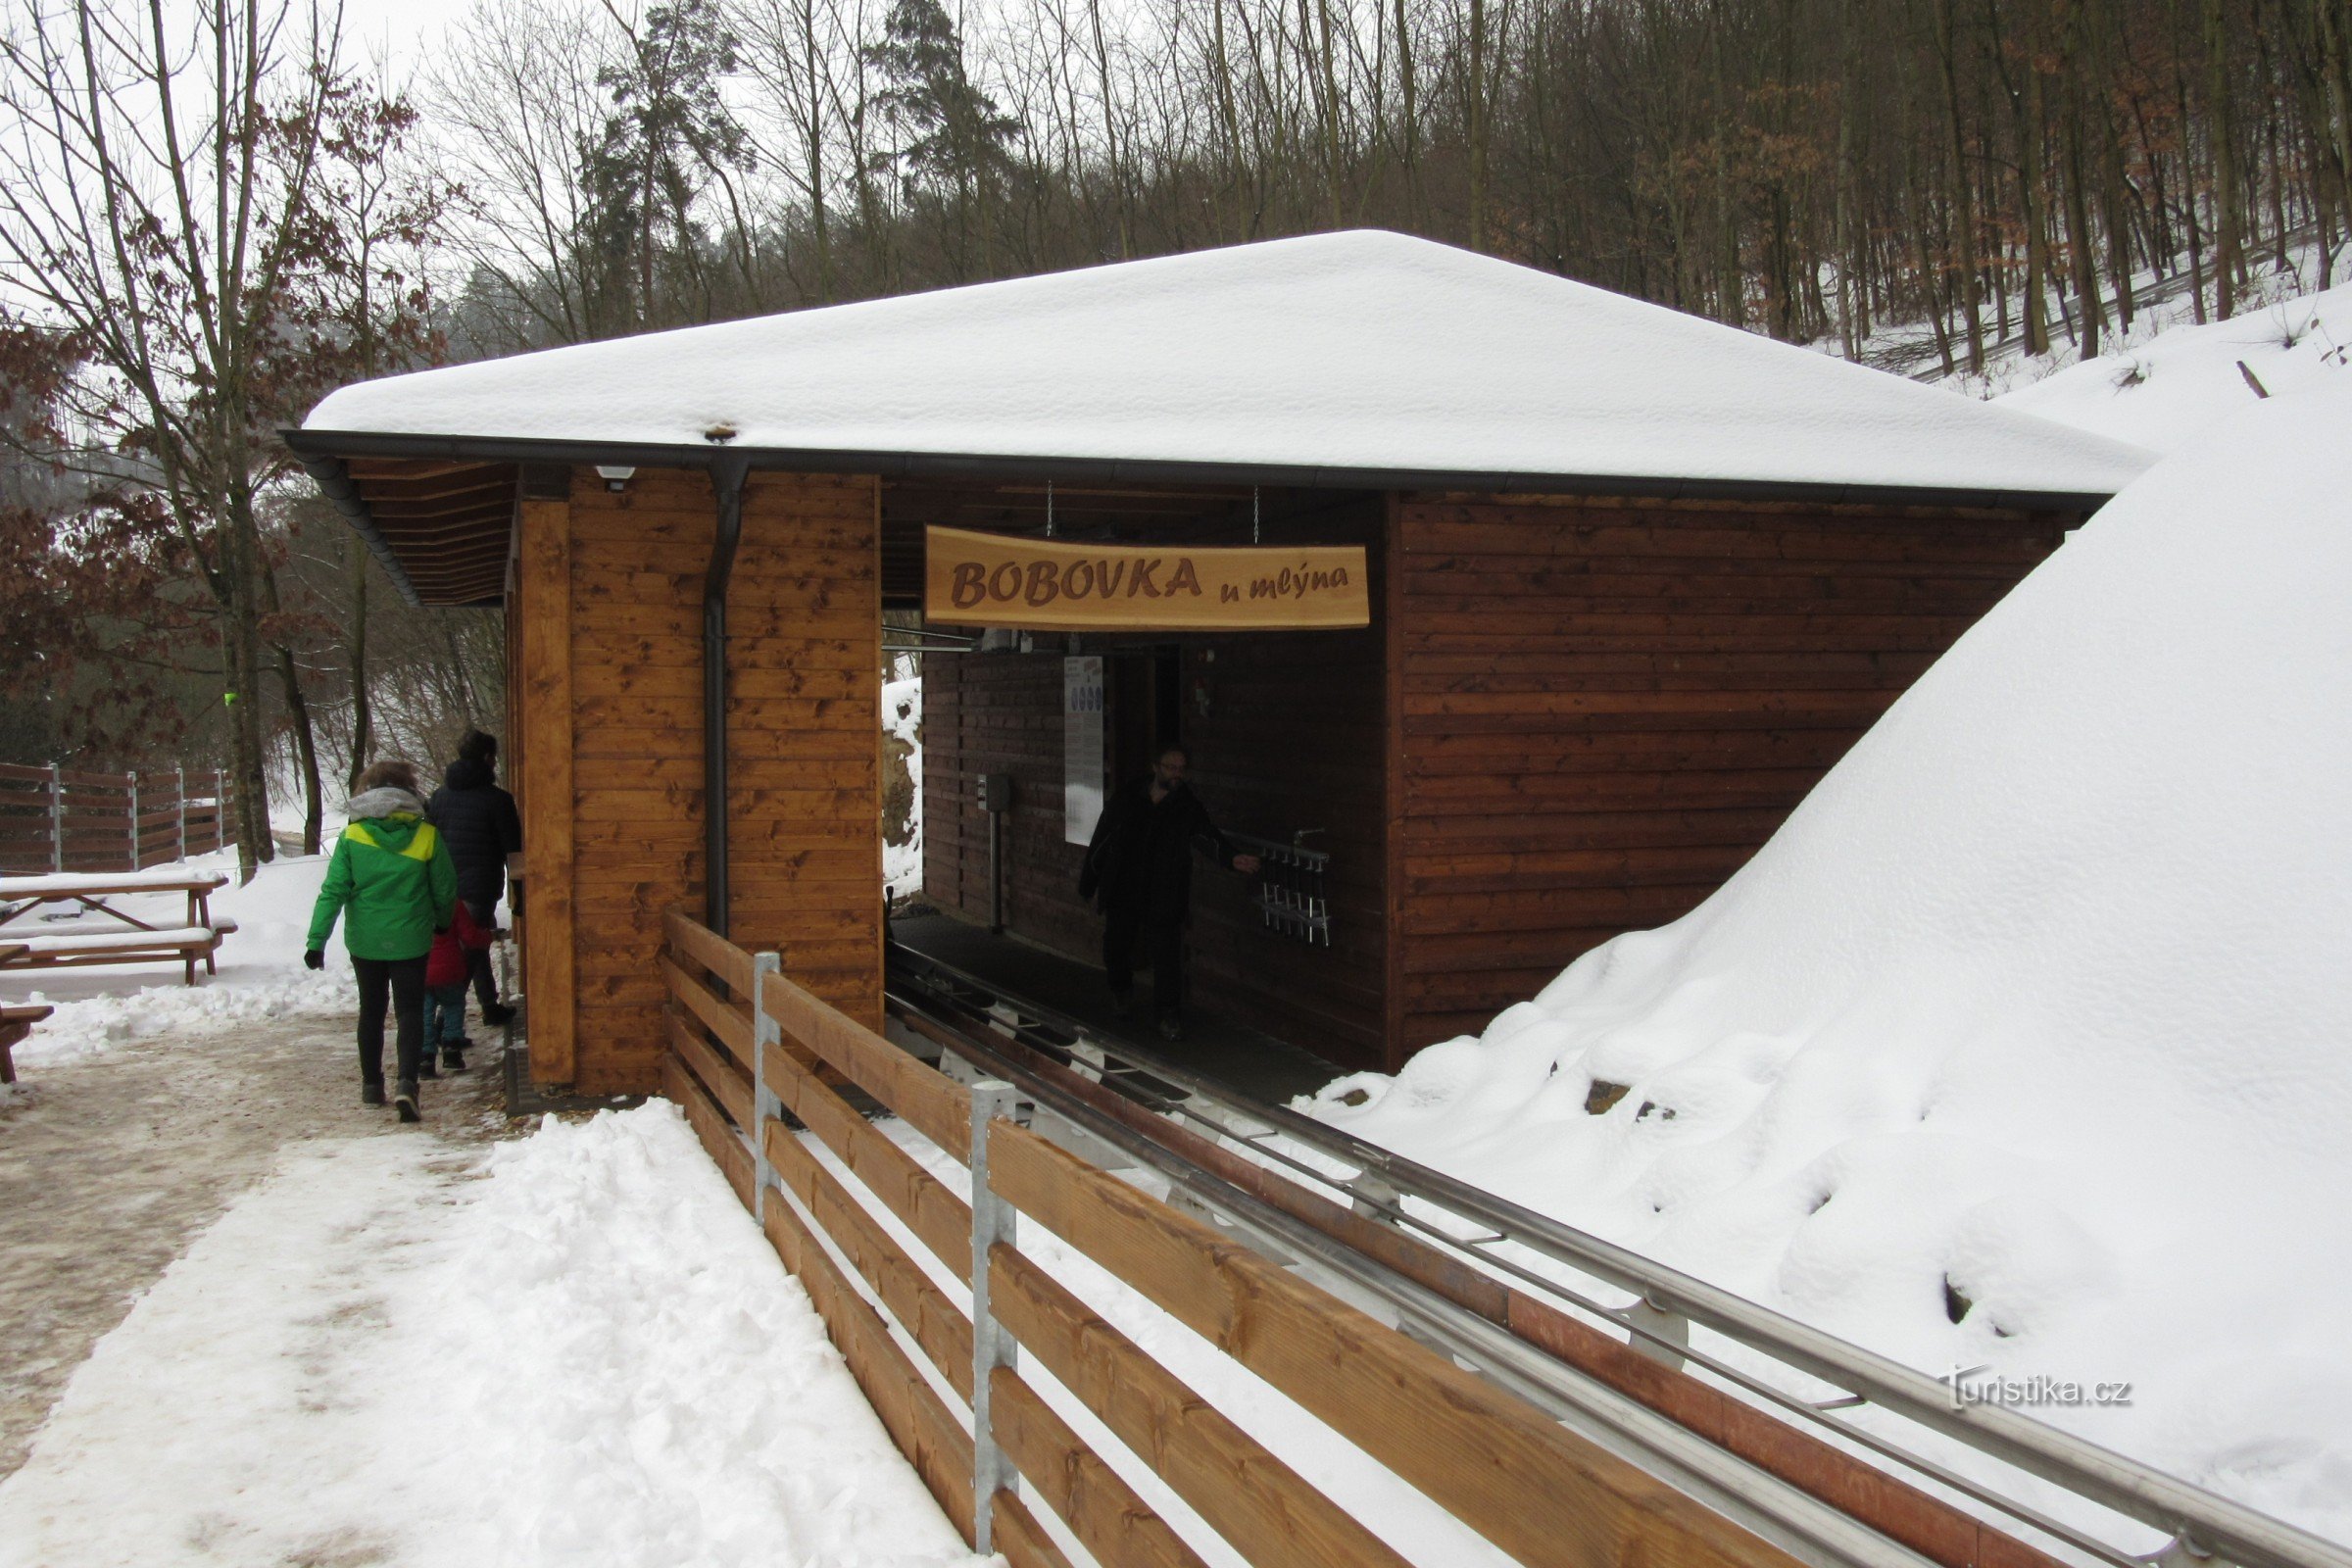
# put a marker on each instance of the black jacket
(480, 825)
(1142, 851)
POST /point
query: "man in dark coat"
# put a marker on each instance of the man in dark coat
(481, 828)
(1139, 866)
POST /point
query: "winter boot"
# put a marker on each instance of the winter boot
(498, 1012)
(371, 1092)
(452, 1059)
(404, 1096)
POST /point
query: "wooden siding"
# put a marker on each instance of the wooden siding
(1602, 708)
(613, 725)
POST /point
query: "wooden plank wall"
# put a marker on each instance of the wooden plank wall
(1602, 708)
(610, 662)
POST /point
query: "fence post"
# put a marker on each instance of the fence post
(57, 818)
(219, 810)
(135, 819)
(180, 791)
(766, 1032)
(994, 1221)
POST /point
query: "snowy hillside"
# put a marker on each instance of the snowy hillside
(2036, 1012)
(2170, 391)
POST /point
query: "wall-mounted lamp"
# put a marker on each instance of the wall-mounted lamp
(615, 476)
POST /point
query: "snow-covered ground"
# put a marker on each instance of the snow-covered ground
(578, 1350)
(261, 973)
(2040, 997)
(589, 1355)
(2166, 393)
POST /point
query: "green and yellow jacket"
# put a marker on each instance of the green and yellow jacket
(392, 871)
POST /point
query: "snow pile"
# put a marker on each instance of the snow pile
(903, 717)
(2040, 997)
(2166, 393)
(1355, 350)
(261, 974)
(590, 1359)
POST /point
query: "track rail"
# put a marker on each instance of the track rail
(1483, 1278)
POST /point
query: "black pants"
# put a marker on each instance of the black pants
(478, 968)
(1162, 938)
(400, 981)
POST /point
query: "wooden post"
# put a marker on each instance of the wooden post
(544, 578)
(57, 818)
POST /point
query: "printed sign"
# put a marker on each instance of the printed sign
(985, 579)
(1082, 760)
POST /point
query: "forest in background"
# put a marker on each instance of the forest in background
(205, 224)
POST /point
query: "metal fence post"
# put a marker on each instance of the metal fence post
(180, 790)
(766, 1032)
(135, 819)
(994, 1221)
(57, 818)
(219, 810)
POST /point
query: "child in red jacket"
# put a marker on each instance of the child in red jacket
(445, 971)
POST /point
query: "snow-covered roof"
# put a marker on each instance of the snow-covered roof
(1361, 351)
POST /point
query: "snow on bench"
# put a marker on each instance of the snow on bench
(70, 949)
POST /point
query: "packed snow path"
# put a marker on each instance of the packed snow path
(251, 1322)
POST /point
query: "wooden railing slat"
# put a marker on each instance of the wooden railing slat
(917, 1421)
(734, 1162)
(929, 1102)
(1100, 1507)
(725, 1081)
(732, 1025)
(940, 1220)
(1546, 1497)
(1245, 1493)
(725, 961)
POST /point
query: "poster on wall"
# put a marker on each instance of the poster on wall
(984, 579)
(1081, 762)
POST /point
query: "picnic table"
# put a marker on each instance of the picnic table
(127, 939)
(14, 1025)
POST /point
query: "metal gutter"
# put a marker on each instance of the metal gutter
(1136, 471)
(728, 474)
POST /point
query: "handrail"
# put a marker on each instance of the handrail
(2197, 1521)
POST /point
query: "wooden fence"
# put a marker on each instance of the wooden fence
(746, 1046)
(61, 819)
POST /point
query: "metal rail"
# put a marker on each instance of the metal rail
(2199, 1525)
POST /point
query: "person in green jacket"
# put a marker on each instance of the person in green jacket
(393, 874)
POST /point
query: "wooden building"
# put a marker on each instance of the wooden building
(1635, 581)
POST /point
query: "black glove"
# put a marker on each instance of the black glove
(313, 959)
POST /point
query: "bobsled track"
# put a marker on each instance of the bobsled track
(1460, 1340)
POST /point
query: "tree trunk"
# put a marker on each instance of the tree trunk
(1963, 189)
(2227, 261)
(1477, 89)
(363, 712)
(2082, 247)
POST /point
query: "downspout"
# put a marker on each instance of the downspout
(726, 478)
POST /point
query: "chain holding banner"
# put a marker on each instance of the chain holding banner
(986, 579)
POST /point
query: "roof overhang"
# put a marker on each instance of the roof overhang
(400, 540)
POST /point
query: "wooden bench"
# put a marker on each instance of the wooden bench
(188, 944)
(14, 1025)
(125, 939)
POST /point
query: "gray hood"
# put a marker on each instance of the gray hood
(370, 805)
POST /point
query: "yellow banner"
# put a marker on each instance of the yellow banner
(986, 579)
